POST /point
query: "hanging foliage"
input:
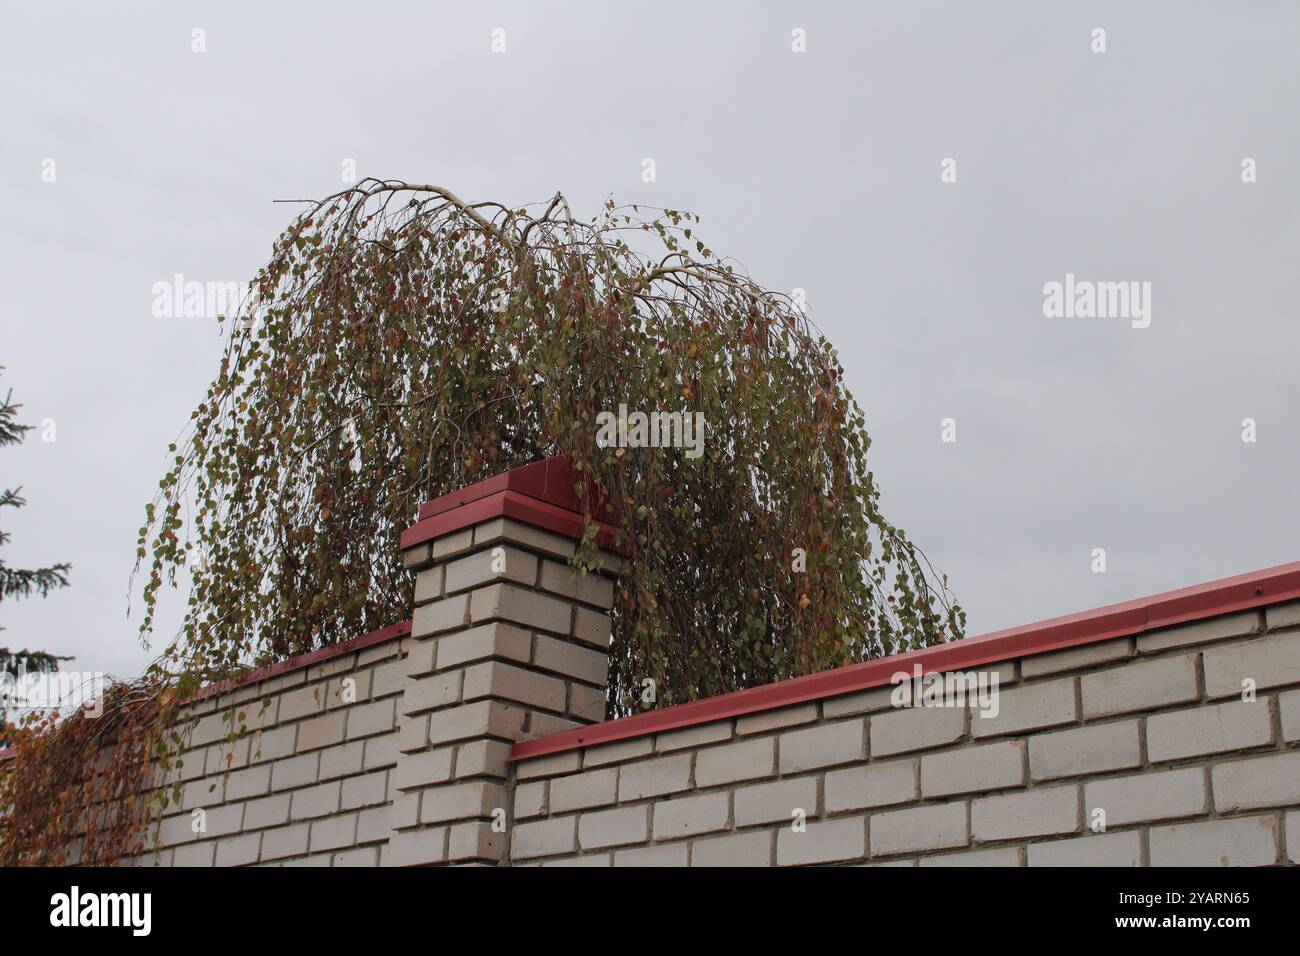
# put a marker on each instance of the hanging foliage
(405, 343)
(402, 343)
(408, 343)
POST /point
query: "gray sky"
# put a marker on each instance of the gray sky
(818, 170)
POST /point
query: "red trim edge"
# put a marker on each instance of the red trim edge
(309, 658)
(551, 480)
(1212, 599)
(504, 504)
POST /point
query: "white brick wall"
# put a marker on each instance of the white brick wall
(312, 781)
(1152, 731)
(413, 767)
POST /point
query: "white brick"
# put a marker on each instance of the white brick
(876, 784)
(476, 841)
(592, 627)
(970, 769)
(194, 854)
(1237, 725)
(380, 752)
(1270, 661)
(317, 801)
(1032, 706)
(462, 801)
(540, 724)
(428, 584)
(267, 812)
(253, 782)
(550, 765)
(321, 731)
(775, 719)
(916, 728)
(934, 827)
(367, 856)
(505, 682)
(823, 745)
(333, 833)
(416, 771)
(485, 718)
(863, 702)
(285, 841)
(653, 778)
(342, 761)
(1087, 655)
(530, 800)
(273, 744)
(375, 824)
(206, 792)
(1200, 632)
(586, 703)
(294, 771)
(1248, 841)
(744, 760)
(502, 563)
(1283, 615)
(687, 816)
(828, 841)
(1272, 781)
(1145, 685)
(1106, 849)
(530, 609)
(595, 788)
(416, 848)
(534, 539)
(737, 849)
(695, 736)
(562, 657)
(1041, 812)
(618, 751)
(449, 614)
(366, 720)
(604, 828)
(364, 791)
(450, 545)
(432, 692)
(483, 758)
(775, 802)
(480, 643)
(1289, 706)
(1149, 796)
(1092, 749)
(544, 838)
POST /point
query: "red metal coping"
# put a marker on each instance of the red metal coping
(1212, 599)
(541, 494)
(551, 480)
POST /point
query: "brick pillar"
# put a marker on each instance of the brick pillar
(507, 643)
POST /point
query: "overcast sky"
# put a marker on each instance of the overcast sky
(821, 170)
